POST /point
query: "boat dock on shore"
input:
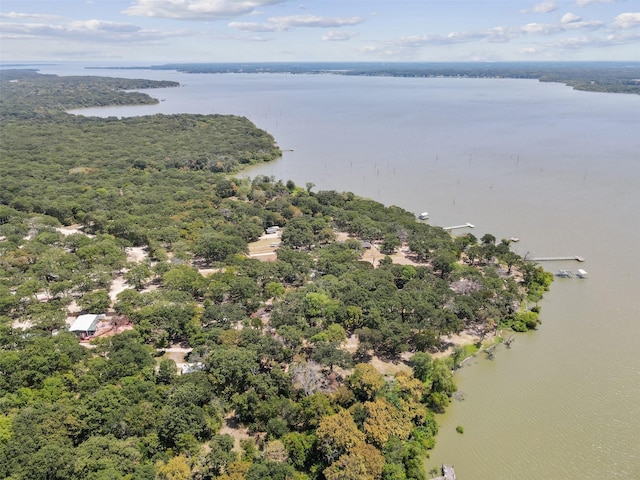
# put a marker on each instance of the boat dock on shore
(447, 473)
(557, 259)
(466, 225)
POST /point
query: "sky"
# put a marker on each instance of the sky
(155, 31)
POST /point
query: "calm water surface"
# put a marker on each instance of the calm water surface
(559, 169)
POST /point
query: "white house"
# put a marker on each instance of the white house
(85, 325)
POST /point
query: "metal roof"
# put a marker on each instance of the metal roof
(85, 323)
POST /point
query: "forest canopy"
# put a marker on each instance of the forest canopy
(210, 360)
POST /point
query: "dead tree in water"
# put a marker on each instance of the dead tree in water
(509, 341)
(490, 352)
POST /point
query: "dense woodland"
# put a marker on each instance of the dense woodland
(266, 339)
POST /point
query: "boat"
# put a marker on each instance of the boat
(564, 274)
(423, 216)
(582, 273)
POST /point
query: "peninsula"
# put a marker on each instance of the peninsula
(231, 328)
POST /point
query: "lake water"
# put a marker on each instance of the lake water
(558, 168)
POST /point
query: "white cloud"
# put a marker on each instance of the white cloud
(196, 9)
(569, 18)
(544, 7)
(567, 23)
(574, 42)
(336, 36)
(102, 26)
(281, 24)
(85, 31)
(584, 3)
(29, 16)
(255, 27)
(382, 51)
(499, 34)
(625, 21)
(596, 41)
(251, 38)
(315, 21)
(492, 35)
(540, 28)
(584, 24)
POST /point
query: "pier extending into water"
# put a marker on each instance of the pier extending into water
(557, 259)
(447, 473)
(466, 225)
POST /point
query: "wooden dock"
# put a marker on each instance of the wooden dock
(447, 473)
(466, 225)
(557, 259)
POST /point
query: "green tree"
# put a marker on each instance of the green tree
(313, 408)
(444, 263)
(106, 455)
(390, 243)
(510, 259)
(301, 449)
(95, 302)
(529, 319)
(137, 275)
(422, 364)
(442, 378)
(184, 278)
(365, 382)
(220, 455)
(126, 356)
(271, 290)
(54, 461)
(330, 354)
(167, 371)
(231, 368)
(215, 246)
(487, 239)
(442, 386)
(8, 301)
(176, 421)
(298, 233)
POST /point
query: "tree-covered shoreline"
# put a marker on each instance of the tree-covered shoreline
(609, 77)
(266, 340)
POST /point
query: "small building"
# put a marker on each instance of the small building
(273, 229)
(192, 367)
(85, 325)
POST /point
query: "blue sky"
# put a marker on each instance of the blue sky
(318, 30)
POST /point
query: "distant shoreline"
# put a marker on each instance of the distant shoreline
(606, 77)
